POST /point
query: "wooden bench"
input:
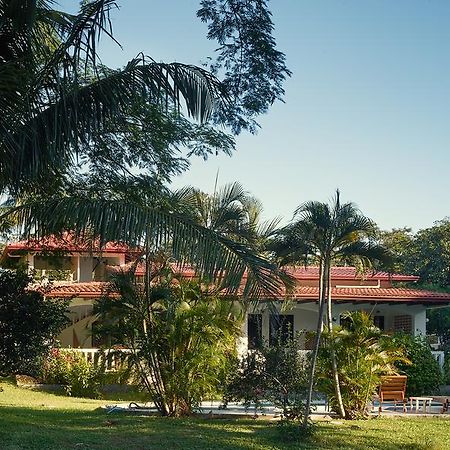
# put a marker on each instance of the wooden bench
(393, 388)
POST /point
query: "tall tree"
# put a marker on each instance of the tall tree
(60, 106)
(330, 234)
(232, 212)
(56, 96)
(427, 255)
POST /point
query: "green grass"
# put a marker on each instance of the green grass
(36, 420)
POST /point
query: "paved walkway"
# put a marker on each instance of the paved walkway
(320, 412)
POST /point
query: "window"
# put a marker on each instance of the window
(403, 323)
(254, 331)
(281, 328)
(54, 268)
(378, 321)
(345, 322)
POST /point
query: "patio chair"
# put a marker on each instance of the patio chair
(392, 388)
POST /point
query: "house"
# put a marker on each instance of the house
(80, 272)
(76, 270)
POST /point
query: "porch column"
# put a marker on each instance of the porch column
(420, 323)
(30, 262)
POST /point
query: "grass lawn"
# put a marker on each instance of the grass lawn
(35, 420)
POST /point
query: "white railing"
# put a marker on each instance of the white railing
(54, 275)
(112, 358)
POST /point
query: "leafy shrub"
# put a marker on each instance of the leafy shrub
(293, 430)
(446, 377)
(181, 336)
(276, 373)
(29, 324)
(71, 370)
(424, 373)
(362, 358)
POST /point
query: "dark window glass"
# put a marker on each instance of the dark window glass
(254, 330)
(378, 321)
(345, 322)
(281, 328)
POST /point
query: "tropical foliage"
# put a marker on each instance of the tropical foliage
(181, 335)
(77, 376)
(424, 373)
(425, 253)
(328, 234)
(254, 70)
(29, 324)
(275, 373)
(363, 356)
(232, 212)
(68, 122)
(57, 97)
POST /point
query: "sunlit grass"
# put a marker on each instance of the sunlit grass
(36, 420)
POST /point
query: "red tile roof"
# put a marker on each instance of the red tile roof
(66, 243)
(374, 294)
(302, 294)
(348, 273)
(94, 289)
(312, 273)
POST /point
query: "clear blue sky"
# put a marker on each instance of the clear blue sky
(367, 108)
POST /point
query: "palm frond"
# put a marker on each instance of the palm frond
(213, 256)
(49, 139)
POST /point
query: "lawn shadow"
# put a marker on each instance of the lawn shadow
(56, 428)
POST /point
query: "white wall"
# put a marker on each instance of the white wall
(305, 316)
(85, 266)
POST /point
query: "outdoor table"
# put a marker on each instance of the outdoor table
(424, 401)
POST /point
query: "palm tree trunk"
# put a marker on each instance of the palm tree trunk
(319, 329)
(337, 386)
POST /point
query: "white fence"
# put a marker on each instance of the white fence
(112, 358)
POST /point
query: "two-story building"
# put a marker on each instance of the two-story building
(80, 272)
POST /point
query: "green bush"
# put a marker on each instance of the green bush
(181, 335)
(275, 373)
(71, 370)
(446, 368)
(446, 377)
(424, 373)
(362, 358)
(29, 324)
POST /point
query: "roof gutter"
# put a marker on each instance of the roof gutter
(359, 286)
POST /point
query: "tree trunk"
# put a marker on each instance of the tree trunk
(337, 386)
(312, 369)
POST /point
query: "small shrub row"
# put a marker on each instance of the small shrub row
(71, 370)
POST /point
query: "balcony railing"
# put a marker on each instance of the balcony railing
(53, 275)
(112, 358)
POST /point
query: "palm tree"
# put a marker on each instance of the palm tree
(328, 234)
(56, 98)
(55, 95)
(232, 212)
(223, 211)
(180, 335)
(366, 354)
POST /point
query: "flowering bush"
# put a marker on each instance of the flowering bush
(71, 370)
